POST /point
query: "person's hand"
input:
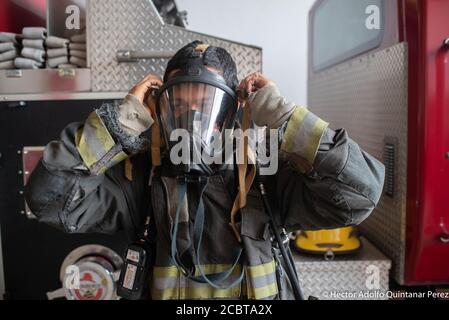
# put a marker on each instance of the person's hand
(144, 88)
(267, 106)
(253, 83)
(135, 114)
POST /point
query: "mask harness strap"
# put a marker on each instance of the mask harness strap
(212, 279)
(155, 133)
(246, 178)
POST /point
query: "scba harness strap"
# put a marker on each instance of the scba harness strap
(216, 279)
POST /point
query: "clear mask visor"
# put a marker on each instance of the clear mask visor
(203, 110)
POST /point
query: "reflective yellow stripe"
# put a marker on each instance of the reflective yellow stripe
(303, 134)
(262, 274)
(95, 140)
(293, 127)
(188, 289)
(265, 292)
(262, 269)
(315, 138)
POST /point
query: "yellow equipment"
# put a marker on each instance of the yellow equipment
(328, 242)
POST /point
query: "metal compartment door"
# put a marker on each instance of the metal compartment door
(125, 30)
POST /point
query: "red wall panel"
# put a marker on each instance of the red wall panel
(16, 14)
(427, 252)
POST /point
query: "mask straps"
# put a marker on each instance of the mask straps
(213, 279)
(216, 278)
(155, 134)
(201, 48)
(246, 177)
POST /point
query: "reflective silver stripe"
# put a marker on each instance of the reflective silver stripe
(169, 283)
(96, 146)
(303, 134)
(95, 140)
(258, 282)
(261, 280)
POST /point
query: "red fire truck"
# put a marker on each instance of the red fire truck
(381, 70)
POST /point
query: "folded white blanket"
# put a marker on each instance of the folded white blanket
(34, 33)
(6, 46)
(35, 54)
(55, 62)
(59, 52)
(33, 43)
(78, 38)
(56, 42)
(79, 62)
(9, 55)
(77, 46)
(9, 37)
(78, 54)
(7, 65)
(24, 63)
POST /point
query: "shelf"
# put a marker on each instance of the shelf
(48, 96)
(50, 84)
(18, 81)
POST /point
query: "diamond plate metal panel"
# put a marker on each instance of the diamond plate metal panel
(346, 277)
(136, 25)
(368, 97)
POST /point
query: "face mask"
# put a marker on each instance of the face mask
(198, 101)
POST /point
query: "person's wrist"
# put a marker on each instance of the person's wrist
(269, 108)
(133, 116)
(134, 100)
(135, 92)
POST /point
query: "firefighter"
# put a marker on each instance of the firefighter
(212, 237)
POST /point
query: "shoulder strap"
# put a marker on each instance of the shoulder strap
(245, 177)
(215, 279)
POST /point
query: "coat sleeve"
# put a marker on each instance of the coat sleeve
(78, 184)
(325, 179)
